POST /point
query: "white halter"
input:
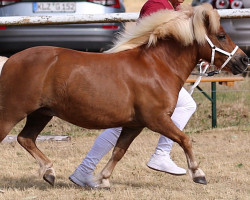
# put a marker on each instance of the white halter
(214, 49)
(203, 71)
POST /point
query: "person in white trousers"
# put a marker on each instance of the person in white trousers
(160, 160)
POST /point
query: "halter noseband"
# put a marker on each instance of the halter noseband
(214, 49)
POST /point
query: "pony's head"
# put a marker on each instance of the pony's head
(189, 26)
(218, 48)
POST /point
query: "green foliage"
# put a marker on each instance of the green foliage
(239, 165)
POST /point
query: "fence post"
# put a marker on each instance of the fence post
(213, 97)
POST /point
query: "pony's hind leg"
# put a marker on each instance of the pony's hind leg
(35, 123)
(5, 127)
(126, 138)
(8, 121)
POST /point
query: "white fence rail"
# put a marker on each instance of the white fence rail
(68, 19)
(98, 18)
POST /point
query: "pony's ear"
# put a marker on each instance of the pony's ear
(206, 19)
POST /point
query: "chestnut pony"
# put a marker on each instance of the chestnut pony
(133, 85)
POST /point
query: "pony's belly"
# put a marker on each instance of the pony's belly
(96, 118)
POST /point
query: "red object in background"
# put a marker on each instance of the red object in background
(113, 3)
(224, 4)
(110, 27)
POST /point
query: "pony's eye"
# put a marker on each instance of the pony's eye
(221, 36)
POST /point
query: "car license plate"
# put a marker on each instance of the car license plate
(54, 7)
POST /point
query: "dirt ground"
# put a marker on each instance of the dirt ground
(223, 155)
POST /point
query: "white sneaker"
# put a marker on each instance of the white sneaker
(161, 161)
(83, 180)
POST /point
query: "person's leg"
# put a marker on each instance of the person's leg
(161, 160)
(103, 144)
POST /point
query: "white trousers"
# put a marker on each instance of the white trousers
(185, 107)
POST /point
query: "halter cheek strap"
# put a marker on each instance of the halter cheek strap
(214, 49)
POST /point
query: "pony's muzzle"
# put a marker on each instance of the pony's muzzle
(240, 64)
(245, 61)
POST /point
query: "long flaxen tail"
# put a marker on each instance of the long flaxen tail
(2, 61)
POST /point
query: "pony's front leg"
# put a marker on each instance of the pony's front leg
(102, 179)
(166, 127)
(126, 138)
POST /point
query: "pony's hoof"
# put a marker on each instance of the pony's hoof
(201, 180)
(49, 178)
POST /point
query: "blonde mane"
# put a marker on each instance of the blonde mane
(185, 25)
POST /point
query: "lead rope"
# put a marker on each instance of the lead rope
(198, 80)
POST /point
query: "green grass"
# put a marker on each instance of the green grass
(232, 107)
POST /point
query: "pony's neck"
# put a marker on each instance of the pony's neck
(180, 59)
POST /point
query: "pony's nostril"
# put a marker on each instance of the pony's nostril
(245, 60)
